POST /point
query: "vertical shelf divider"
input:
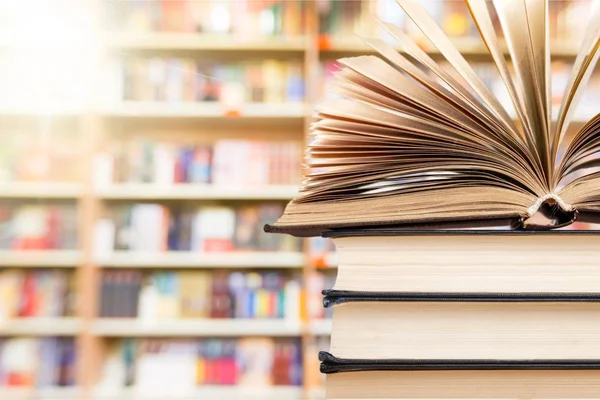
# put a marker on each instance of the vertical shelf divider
(311, 65)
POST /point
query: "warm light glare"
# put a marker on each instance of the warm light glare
(48, 56)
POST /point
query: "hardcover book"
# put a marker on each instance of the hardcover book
(417, 141)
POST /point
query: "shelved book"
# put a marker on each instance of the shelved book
(227, 163)
(35, 226)
(171, 80)
(151, 228)
(37, 363)
(37, 293)
(400, 161)
(343, 19)
(248, 19)
(200, 294)
(172, 367)
(32, 156)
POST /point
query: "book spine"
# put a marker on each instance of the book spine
(335, 297)
(331, 364)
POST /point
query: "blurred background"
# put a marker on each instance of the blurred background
(143, 145)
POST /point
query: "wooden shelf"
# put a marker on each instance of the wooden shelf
(41, 327)
(40, 258)
(145, 191)
(122, 327)
(320, 327)
(203, 42)
(316, 393)
(209, 110)
(208, 392)
(182, 259)
(43, 190)
(56, 393)
(45, 111)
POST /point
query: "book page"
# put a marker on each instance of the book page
(523, 48)
(582, 70)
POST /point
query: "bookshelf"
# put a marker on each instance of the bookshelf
(64, 326)
(214, 392)
(169, 41)
(256, 111)
(195, 192)
(101, 122)
(196, 328)
(41, 258)
(41, 394)
(250, 259)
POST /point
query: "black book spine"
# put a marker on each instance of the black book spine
(331, 364)
(333, 297)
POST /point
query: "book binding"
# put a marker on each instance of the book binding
(331, 364)
(334, 297)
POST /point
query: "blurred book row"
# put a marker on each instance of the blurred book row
(200, 294)
(243, 18)
(38, 227)
(172, 367)
(343, 18)
(41, 363)
(167, 295)
(256, 19)
(37, 293)
(204, 80)
(151, 228)
(227, 163)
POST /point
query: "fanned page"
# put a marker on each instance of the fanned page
(413, 140)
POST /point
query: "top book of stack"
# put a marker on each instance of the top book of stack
(414, 142)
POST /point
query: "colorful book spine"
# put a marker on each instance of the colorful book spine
(200, 294)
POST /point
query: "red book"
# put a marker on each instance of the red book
(281, 365)
(28, 306)
(53, 229)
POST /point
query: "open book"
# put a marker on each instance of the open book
(412, 141)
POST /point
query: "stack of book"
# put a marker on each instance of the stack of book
(456, 277)
(200, 294)
(169, 367)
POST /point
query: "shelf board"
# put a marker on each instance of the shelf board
(52, 393)
(206, 392)
(320, 327)
(155, 109)
(40, 258)
(182, 259)
(316, 393)
(131, 327)
(34, 326)
(45, 190)
(39, 111)
(148, 191)
(167, 41)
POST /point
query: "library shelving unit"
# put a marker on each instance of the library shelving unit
(98, 123)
